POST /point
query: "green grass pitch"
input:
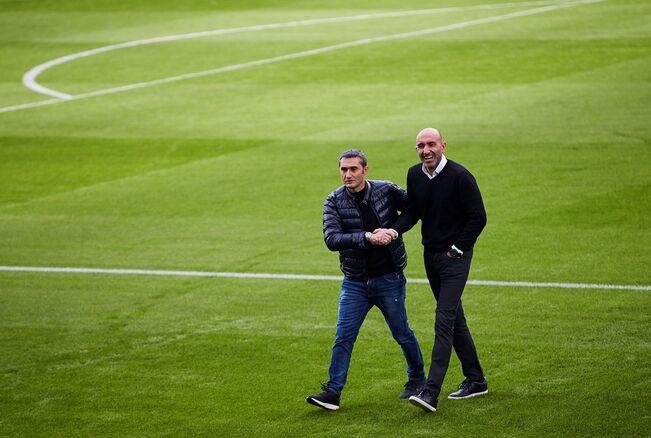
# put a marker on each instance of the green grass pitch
(228, 172)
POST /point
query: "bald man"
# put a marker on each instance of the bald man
(446, 198)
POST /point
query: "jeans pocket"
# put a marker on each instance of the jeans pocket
(389, 285)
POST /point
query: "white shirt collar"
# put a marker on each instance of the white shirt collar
(438, 169)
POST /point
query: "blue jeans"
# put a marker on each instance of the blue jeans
(357, 297)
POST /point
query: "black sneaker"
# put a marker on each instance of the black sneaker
(412, 387)
(426, 400)
(469, 389)
(328, 399)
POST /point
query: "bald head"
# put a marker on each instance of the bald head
(430, 132)
(430, 147)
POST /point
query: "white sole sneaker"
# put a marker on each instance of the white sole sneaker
(321, 404)
(468, 396)
(421, 404)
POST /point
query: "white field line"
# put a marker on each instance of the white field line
(29, 78)
(268, 276)
(302, 54)
(22, 106)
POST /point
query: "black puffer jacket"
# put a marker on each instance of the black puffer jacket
(343, 230)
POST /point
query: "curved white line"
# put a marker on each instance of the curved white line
(270, 276)
(29, 78)
(297, 55)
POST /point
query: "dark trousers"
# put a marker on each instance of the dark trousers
(447, 278)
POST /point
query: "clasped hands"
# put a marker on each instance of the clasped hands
(383, 236)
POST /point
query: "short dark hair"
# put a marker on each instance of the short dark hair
(354, 153)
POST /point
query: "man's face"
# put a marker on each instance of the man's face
(430, 148)
(353, 174)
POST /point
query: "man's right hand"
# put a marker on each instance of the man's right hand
(382, 236)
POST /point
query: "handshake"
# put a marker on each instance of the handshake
(382, 236)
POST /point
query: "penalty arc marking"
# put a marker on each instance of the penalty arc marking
(29, 78)
(62, 97)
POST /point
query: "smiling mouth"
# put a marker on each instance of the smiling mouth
(428, 157)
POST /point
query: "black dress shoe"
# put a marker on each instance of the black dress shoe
(328, 399)
(412, 387)
(468, 389)
(426, 400)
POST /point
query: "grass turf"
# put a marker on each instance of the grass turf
(228, 172)
(128, 356)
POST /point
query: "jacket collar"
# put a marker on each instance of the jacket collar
(366, 196)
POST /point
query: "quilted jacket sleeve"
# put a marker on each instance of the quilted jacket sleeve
(335, 238)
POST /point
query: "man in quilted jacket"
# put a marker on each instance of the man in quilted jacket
(372, 261)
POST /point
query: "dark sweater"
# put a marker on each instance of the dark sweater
(378, 257)
(449, 206)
